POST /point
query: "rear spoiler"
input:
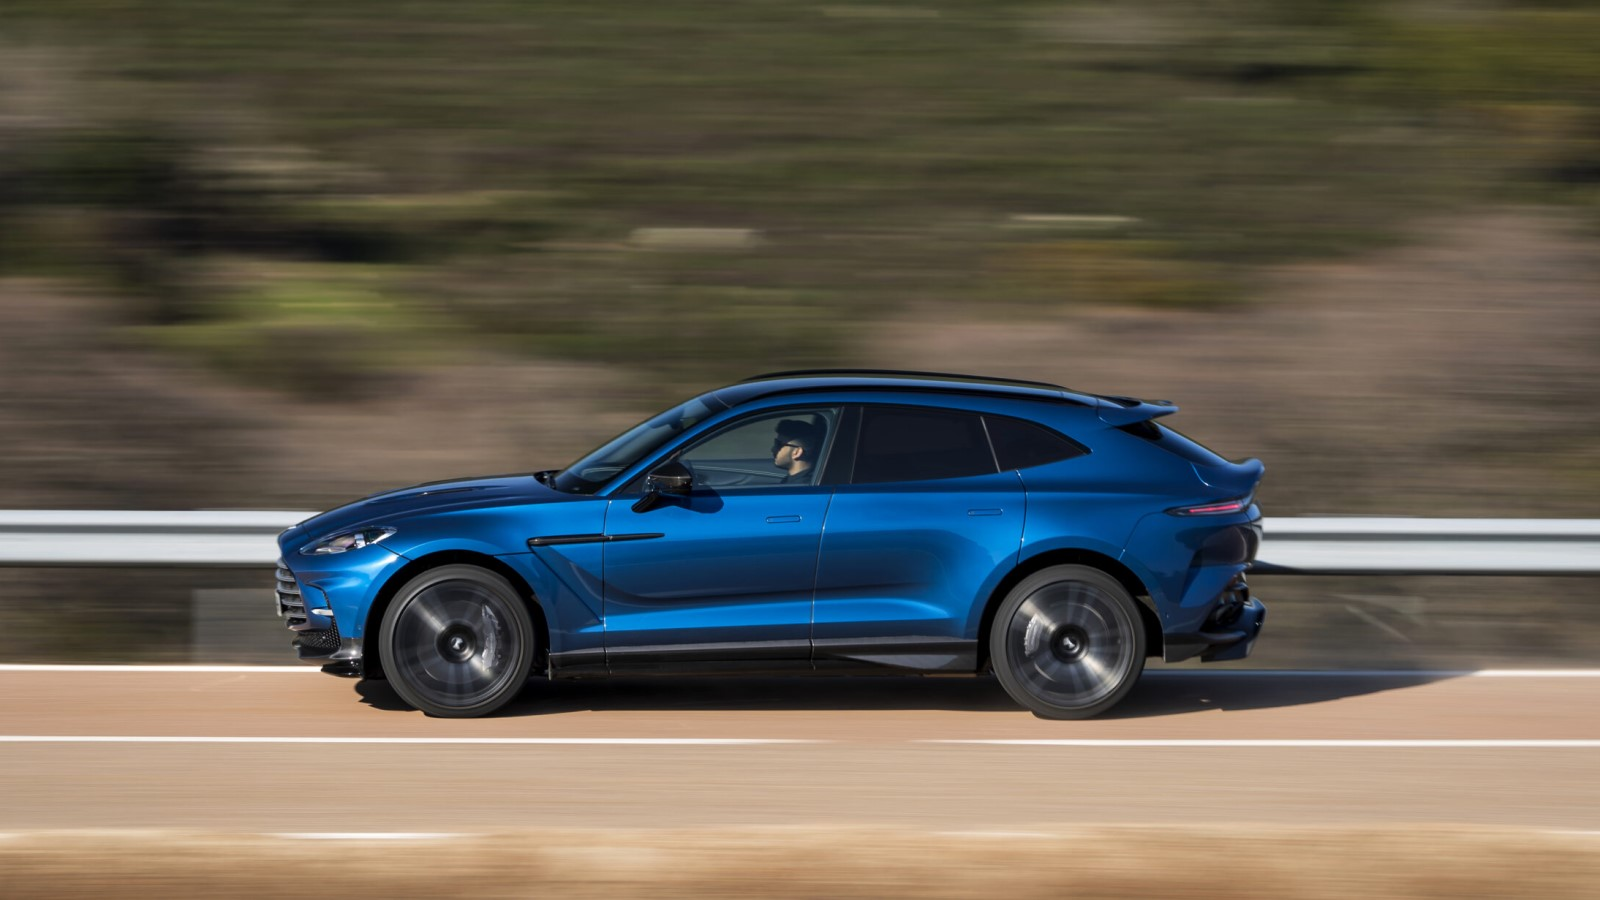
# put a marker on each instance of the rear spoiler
(1237, 478)
(1116, 411)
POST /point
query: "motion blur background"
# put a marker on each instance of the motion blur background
(278, 254)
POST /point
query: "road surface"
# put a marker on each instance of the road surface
(292, 750)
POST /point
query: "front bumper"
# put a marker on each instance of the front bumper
(345, 661)
(316, 633)
(1234, 642)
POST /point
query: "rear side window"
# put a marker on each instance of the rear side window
(1020, 445)
(1182, 445)
(899, 444)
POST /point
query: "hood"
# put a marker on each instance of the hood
(433, 496)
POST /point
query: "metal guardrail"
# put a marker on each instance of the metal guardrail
(1293, 545)
(1399, 546)
(50, 537)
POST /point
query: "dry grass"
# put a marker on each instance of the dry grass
(845, 863)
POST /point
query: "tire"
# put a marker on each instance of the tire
(1067, 642)
(457, 642)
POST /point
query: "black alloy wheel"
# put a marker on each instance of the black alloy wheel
(457, 642)
(1068, 642)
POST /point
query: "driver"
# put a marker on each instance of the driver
(794, 450)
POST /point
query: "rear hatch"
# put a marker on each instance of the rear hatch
(1231, 479)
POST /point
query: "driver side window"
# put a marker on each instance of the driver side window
(771, 449)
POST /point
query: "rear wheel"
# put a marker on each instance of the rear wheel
(457, 641)
(1068, 642)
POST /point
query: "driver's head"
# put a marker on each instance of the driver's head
(796, 443)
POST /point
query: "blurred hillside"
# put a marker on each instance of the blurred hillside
(279, 253)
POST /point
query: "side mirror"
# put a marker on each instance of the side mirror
(670, 479)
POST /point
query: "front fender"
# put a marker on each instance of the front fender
(455, 544)
(564, 580)
(348, 582)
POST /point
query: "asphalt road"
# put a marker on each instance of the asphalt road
(297, 751)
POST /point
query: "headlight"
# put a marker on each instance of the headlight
(347, 540)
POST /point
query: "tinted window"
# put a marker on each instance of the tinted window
(1182, 445)
(760, 451)
(918, 444)
(1019, 444)
(590, 473)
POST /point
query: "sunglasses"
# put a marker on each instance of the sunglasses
(780, 443)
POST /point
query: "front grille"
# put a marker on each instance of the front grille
(312, 642)
(291, 606)
(325, 641)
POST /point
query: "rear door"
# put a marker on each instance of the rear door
(923, 531)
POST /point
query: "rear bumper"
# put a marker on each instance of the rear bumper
(1235, 642)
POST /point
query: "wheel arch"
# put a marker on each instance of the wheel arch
(1073, 556)
(372, 652)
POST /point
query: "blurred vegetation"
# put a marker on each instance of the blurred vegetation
(314, 198)
(299, 194)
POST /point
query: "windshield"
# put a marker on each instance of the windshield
(591, 473)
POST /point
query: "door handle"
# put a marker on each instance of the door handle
(985, 512)
(779, 519)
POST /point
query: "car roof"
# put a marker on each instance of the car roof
(807, 380)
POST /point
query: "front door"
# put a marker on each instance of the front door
(726, 573)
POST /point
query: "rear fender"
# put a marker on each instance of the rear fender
(1169, 549)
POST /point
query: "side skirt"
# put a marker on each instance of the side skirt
(919, 654)
(913, 654)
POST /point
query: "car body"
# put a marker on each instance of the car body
(945, 524)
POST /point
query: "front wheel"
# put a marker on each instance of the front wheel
(457, 642)
(1068, 642)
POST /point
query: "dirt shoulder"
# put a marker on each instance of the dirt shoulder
(849, 862)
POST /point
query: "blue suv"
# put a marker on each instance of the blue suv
(803, 521)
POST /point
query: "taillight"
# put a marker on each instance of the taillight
(1214, 508)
